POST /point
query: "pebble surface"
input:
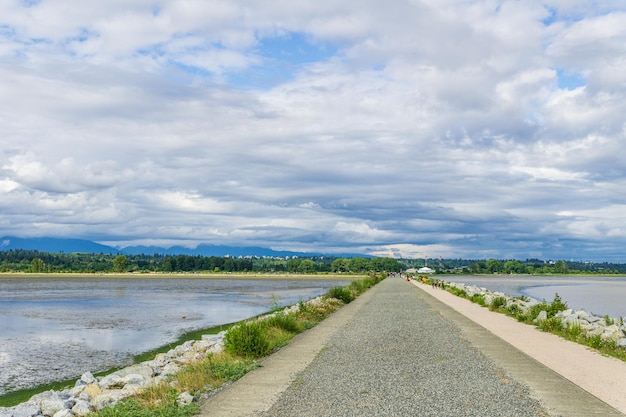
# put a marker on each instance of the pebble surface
(399, 357)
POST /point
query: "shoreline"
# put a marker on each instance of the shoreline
(39, 378)
(190, 275)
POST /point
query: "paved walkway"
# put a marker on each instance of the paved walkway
(398, 351)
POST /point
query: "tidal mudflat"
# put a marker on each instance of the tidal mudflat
(56, 328)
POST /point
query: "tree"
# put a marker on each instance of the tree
(120, 263)
(494, 266)
(293, 264)
(359, 265)
(307, 266)
(340, 265)
(561, 267)
(37, 265)
(514, 267)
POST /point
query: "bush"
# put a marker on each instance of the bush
(574, 331)
(551, 325)
(496, 303)
(285, 322)
(478, 299)
(341, 293)
(248, 339)
(556, 306)
(459, 292)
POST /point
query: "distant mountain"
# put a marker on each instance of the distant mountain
(48, 244)
(212, 250)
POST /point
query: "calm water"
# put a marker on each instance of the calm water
(598, 295)
(58, 328)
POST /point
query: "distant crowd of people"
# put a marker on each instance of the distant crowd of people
(436, 283)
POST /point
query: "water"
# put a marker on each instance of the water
(598, 295)
(58, 328)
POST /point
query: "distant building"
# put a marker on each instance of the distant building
(425, 270)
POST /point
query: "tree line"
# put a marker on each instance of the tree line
(17, 260)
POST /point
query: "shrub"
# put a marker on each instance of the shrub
(361, 285)
(478, 299)
(459, 292)
(574, 331)
(285, 322)
(311, 314)
(556, 306)
(341, 293)
(248, 339)
(496, 303)
(552, 325)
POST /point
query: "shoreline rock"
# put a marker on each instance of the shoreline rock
(591, 325)
(92, 393)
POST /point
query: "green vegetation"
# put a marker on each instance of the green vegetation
(33, 261)
(17, 260)
(150, 404)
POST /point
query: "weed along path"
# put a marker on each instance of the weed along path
(398, 351)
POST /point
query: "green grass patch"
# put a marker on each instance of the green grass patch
(135, 407)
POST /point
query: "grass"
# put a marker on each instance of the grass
(244, 343)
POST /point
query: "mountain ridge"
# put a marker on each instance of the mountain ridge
(69, 245)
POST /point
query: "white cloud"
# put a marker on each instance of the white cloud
(424, 124)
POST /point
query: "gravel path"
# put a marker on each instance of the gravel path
(399, 357)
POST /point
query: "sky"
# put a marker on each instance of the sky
(410, 128)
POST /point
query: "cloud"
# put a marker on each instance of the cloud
(456, 127)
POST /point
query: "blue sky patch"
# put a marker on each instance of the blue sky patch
(30, 3)
(282, 57)
(568, 80)
(551, 17)
(294, 48)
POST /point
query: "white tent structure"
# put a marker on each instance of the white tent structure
(425, 270)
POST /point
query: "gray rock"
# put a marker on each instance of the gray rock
(136, 379)
(111, 381)
(64, 413)
(82, 408)
(86, 379)
(184, 399)
(145, 371)
(107, 399)
(621, 343)
(22, 410)
(594, 330)
(50, 406)
(543, 315)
